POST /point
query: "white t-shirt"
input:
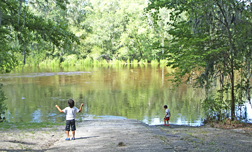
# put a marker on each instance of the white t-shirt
(70, 112)
(167, 110)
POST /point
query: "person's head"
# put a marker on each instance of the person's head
(165, 106)
(71, 103)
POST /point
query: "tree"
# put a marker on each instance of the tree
(115, 29)
(2, 105)
(118, 29)
(26, 28)
(19, 27)
(210, 45)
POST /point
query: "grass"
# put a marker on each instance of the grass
(212, 143)
(189, 133)
(23, 126)
(134, 62)
(72, 60)
(161, 138)
(163, 63)
(154, 63)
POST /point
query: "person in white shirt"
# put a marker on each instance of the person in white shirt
(167, 116)
(70, 117)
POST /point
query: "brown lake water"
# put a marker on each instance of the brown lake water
(107, 93)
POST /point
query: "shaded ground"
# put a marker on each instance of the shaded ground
(206, 138)
(128, 135)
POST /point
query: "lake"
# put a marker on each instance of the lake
(125, 92)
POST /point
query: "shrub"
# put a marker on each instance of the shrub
(2, 105)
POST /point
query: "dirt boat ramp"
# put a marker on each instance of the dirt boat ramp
(128, 135)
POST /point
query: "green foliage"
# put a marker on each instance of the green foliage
(7, 59)
(69, 60)
(87, 61)
(134, 62)
(143, 62)
(104, 63)
(96, 52)
(154, 63)
(66, 33)
(209, 45)
(206, 44)
(2, 105)
(163, 63)
(21, 27)
(120, 30)
(216, 106)
(128, 61)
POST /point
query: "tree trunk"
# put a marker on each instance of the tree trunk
(1, 14)
(53, 49)
(162, 41)
(232, 75)
(227, 24)
(32, 49)
(140, 53)
(249, 74)
(232, 90)
(163, 45)
(112, 49)
(24, 45)
(24, 51)
(19, 9)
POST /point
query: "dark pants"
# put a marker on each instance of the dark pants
(167, 118)
(70, 123)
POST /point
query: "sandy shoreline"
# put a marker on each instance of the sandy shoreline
(127, 135)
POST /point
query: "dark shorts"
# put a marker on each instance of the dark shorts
(70, 123)
(167, 118)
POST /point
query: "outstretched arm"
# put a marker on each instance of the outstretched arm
(58, 108)
(81, 107)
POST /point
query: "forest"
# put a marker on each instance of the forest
(53, 32)
(208, 43)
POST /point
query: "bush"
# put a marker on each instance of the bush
(69, 60)
(163, 62)
(2, 105)
(154, 63)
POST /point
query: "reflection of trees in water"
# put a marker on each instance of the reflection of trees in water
(186, 104)
(244, 112)
(132, 93)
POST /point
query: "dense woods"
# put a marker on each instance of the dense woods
(213, 47)
(208, 43)
(53, 32)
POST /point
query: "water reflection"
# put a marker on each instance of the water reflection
(244, 112)
(107, 92)
(248, 111)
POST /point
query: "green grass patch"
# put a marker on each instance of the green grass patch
(154, 63)
(31, 125)
(134, 62)
(212, 143)
(72, 60)
(163, 63)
